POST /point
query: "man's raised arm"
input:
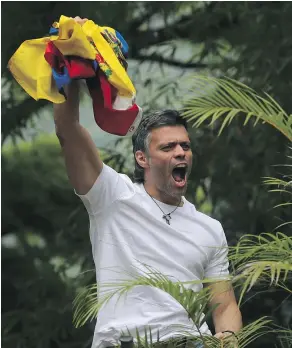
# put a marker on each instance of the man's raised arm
(81, 156)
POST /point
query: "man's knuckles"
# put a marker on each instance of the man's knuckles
(79, 20)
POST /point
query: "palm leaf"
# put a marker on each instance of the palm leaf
(245, 336)
(225, 98)
(284, 337)
(283, 186)
(266, 246)
(253, 331)
(86, 305)
(261, 258)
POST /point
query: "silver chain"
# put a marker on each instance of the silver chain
(165, 216)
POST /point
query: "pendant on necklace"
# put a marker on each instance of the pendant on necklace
(167, 218)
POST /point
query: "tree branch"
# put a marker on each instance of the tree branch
(15, 119)
(160, 59)
(136, 23)
(184, 28)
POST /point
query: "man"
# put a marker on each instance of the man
(145, 222)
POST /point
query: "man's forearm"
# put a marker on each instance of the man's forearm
(82, 160)
(228, 318)
(67, 113)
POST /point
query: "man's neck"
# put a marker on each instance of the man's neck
(161, 196)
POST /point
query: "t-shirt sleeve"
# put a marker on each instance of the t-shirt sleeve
(219, 264)
(108, 187)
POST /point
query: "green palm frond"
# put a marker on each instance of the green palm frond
(225, 98)
(284, 186)
(261, 258)
(244, 337)
(86, 305)
(266, 271)
(266, 246)
(149, 340)
(284, 337)
(253, 331)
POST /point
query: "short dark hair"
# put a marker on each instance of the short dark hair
(140, 138)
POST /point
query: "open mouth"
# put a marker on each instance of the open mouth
(179, 175)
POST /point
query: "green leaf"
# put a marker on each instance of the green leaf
(226, 98)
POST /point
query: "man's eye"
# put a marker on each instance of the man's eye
(166, 148)
(186, 146)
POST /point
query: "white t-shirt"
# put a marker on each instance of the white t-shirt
(126, 231)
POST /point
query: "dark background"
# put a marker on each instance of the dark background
(46, 254)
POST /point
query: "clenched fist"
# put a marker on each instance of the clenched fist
(79, 20)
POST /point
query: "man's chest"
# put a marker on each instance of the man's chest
(143, 235)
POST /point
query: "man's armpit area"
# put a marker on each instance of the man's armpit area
(61, 140)
(108, 187)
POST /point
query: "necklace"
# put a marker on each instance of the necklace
(166, 217)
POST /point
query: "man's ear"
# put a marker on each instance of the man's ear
(142, 159)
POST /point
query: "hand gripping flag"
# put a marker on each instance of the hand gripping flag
(44, 66)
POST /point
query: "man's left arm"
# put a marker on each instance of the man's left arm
(226, 316)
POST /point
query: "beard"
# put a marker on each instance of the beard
(168, 188)
(174, 191)
(164, 181)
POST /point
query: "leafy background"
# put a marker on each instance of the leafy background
(46, 254)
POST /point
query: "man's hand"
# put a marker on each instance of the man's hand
(222, 335)
(82, 160)
(79, 20)
(229, 338)
(70, 108)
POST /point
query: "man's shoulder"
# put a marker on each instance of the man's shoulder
(133, 186)
(203, 217)
(126, 178)
(210, 220)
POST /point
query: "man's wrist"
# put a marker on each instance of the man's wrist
(226, 334)
(69, 110)
(229, 331)
(72, 92)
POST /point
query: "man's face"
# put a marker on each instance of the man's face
(169, 160)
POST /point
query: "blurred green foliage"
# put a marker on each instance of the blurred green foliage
(44, 246)
(45, 243)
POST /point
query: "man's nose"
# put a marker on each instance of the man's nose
(179, 152)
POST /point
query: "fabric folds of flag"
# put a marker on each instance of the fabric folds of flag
(45, 66)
